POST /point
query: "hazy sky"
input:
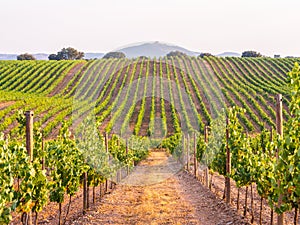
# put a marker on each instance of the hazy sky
(268, 26)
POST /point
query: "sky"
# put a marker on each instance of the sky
(215, 26)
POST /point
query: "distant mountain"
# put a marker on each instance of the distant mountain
(8, 56)
(38, 56)
(150, 49)
(153, 49)
(43, 56)
(229, 54)
(93, 55)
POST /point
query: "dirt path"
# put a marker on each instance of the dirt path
(159, 192)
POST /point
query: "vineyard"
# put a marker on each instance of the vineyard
(182, 93)
(95, 120)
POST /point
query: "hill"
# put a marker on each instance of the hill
(154, 49)
(38, 56)
(145, 97)
(8, 56)
(229, 54)
(89, 55)
(44, 56)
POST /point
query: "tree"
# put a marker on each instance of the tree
(25, 56)
(67, 54)
(117, 55)
(176, 53)
(251, 54)
(202, 55)
(143, 57)
(52, 57)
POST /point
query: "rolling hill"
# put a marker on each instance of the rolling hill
(144, 97)
(154, 49)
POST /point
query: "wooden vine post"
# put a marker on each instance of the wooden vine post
(272, 210)
(228, 165)
(188, 153)
(195, 157)
(279, 129)
(206, 169)
(29, 134)
(29, 146)
(118, 176)
(43, 148)
(127, 168)
(84, 192)
(106, 149)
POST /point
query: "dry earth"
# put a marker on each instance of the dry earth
(159, 192)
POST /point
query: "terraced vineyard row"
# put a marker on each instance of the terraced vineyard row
(134, 96)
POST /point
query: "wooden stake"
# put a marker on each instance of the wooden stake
(100, 191)
(188, 153)
(228, 166)
(279, 118)
(84, 192)
(252, 205)
(238, 200)
(260, 210)
(272, 210)
(272, 217)
(246, 204)
(127, 154)
(87, 194)
(206, 177)
(296, 216)
(94, 194)
(211, 180)
(59, 212)
(43, 159)
(206, 169)
(106, 148)
(279, 129)
(29, 145)
(36, 218)
(271, 134)
(206, 134)
(195, 156)
(29, 134)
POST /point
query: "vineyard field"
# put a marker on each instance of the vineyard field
(67, 126)
(139, 96)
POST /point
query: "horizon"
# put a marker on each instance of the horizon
(95, 26)
(149, 42)
(121, 48)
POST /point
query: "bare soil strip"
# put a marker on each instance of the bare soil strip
(66, 80)
(156, 193)
(4, 105)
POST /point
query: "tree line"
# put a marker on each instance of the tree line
(73, 54)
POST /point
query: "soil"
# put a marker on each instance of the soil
(61, 86)
(201, 92)
(90, 77)
(158, 191)
(269, 99)
(146, 118)
(232, 73)
(236, 101)
(106, 71)
(4, 105)
(217, 187)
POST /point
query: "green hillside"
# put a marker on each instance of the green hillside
(145, 97)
